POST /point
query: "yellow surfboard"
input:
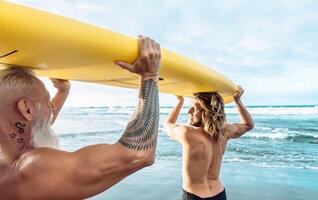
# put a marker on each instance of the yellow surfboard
(58, 47)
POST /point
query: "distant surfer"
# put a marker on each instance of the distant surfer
(204, 141)
(30, 166)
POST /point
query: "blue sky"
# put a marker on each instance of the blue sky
(270, 47)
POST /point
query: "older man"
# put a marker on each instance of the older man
(31, 169)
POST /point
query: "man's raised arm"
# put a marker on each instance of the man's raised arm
(63, 89)
(173, 130)
(236, 130)
(142, 131)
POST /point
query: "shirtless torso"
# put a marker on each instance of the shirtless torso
(202, 159)
(202, 154)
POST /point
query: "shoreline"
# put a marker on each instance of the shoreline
(163, 180)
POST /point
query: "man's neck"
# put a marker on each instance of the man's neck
(14, 139)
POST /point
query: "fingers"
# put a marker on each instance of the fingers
(148, 60)
(139, 44)
(58, 80)
(54, 80)
(158, 49)
(240, 89)
(180, 98)
(154, 51)
(148, 43)
(150, 48)
(142, 44)
(124, 65)
(61, 84)
(238, 93)
(157, 52)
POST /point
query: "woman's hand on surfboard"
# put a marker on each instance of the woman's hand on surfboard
(148, 62)
(61, 85)
(237, 95)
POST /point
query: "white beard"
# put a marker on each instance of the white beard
(43, 135)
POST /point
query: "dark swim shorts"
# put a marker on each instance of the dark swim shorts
(190, 196)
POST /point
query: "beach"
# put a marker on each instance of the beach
(276, 160)
(242, 182)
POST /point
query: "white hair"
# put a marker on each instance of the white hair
(17, 78)
(42, 134)
(16, 83)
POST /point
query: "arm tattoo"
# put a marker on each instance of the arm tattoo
(142, 131)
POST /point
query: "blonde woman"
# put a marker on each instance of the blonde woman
(204, 141)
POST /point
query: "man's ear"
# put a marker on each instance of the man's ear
(26, 108)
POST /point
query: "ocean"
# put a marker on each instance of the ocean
(278, 159)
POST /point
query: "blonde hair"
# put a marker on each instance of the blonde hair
(213, 115)
(17, 78)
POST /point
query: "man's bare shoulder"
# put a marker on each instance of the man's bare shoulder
(178, 132)
(185, 128)
(188, 130)
(38, 154)
(37, 169)
(40, 160)
(40, 164)
(190, 133)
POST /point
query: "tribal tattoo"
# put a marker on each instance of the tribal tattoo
(142, 131)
